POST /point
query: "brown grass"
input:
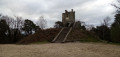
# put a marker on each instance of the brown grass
(42, 35)
(60, 50)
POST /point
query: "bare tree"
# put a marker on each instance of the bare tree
(117, 6)
(89, 27)
(42, 23)
(18, 22)
(106, 21)
(7, 19)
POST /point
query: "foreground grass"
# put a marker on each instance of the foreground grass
(40, 42)
(96, 41)
(71, 49)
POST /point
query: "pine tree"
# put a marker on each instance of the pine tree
(115, 29)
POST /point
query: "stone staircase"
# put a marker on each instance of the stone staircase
(62, 35)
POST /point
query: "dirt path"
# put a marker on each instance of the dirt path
(60, 50)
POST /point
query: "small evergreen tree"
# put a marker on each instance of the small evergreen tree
(58, 24)
(115, 29)
(4, 32)
(29, 27)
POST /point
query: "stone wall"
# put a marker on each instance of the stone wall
(68, 17)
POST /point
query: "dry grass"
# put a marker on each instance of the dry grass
(60, 50)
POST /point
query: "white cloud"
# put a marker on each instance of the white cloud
(90, 11)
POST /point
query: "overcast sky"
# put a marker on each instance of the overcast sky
(89, 11)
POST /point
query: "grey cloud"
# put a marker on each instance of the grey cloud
(89, 11)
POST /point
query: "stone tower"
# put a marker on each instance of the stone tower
(68, 18)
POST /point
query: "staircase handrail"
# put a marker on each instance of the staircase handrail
(58, 34)
(67, 34)
(74, 24)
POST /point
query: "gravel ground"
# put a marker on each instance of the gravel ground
(60, 50)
